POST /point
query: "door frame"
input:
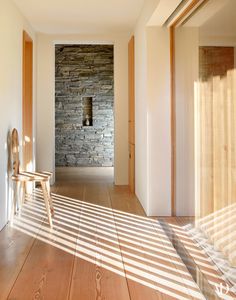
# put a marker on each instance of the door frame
(190, 9)
(85, 42)
(27, 102)
(131, 114)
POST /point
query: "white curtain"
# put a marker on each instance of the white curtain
(215, 139)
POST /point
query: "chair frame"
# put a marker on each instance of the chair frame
(21, 178)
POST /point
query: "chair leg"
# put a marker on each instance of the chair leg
(14, 198)
(50, 197)
(46, 200)
(23, 193)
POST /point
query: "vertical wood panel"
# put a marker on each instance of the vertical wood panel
(27, 102)
(131, 80)
(173, 121)
(131, 167)
(131, 116)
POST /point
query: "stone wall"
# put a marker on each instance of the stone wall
(84, 71)
(215, 61)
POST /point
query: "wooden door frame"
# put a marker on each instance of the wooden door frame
(131, 112)
(27, 100)
(191, 8)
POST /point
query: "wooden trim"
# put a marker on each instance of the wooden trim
(27, 101)
(191, 7)
(173, 121)
(131, 122)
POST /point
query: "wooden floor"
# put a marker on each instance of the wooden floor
(102, 246)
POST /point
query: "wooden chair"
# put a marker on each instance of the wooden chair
(22, 177)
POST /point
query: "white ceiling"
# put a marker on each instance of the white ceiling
(223, 23)
(163, 10)
(81, 16)
(216, 18)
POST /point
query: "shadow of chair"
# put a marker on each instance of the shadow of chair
(20, 179)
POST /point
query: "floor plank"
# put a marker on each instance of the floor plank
(14, 248)
(102, 246)
(131, 250)
(48, 266)
(44, 275)
(100, 250)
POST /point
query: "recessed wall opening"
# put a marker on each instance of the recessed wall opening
(84, 101)
(87, 103)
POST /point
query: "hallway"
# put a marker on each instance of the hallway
(101, 247)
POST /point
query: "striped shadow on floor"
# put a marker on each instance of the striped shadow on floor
(132, 247)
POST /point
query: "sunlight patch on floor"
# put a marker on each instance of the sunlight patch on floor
(131, 246)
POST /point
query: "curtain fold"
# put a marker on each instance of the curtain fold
(216, 162)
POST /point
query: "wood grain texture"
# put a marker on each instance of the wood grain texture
(27, 102)
(14, 248)
(131, 121)
(131, 83)
(173, 121)
(101, 246)
(46, 273)
(93, 235)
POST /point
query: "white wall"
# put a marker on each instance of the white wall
(159, 123)
(141, 104)
(187, 43)
(12, 25)
(46, 98)
(152, 115)
(153, 112)
(219, 41)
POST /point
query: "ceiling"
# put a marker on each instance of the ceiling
(163, 10)
(81, 16)
(216, 18)
(223, 23)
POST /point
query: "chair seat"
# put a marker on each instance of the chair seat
(32, 176)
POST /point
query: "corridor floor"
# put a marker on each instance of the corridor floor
(102, 246)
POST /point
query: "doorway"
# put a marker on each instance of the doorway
(205, 105)
(27, 103)
(84, 104)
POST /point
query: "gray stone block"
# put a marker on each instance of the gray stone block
(84, 71)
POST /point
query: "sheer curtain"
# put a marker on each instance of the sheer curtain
(215, 152)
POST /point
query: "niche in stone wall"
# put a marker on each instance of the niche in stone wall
(84, 85)
(87, 103)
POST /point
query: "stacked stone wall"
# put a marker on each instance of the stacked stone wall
(84, 71)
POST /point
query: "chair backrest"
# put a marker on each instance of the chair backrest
(15, 151)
